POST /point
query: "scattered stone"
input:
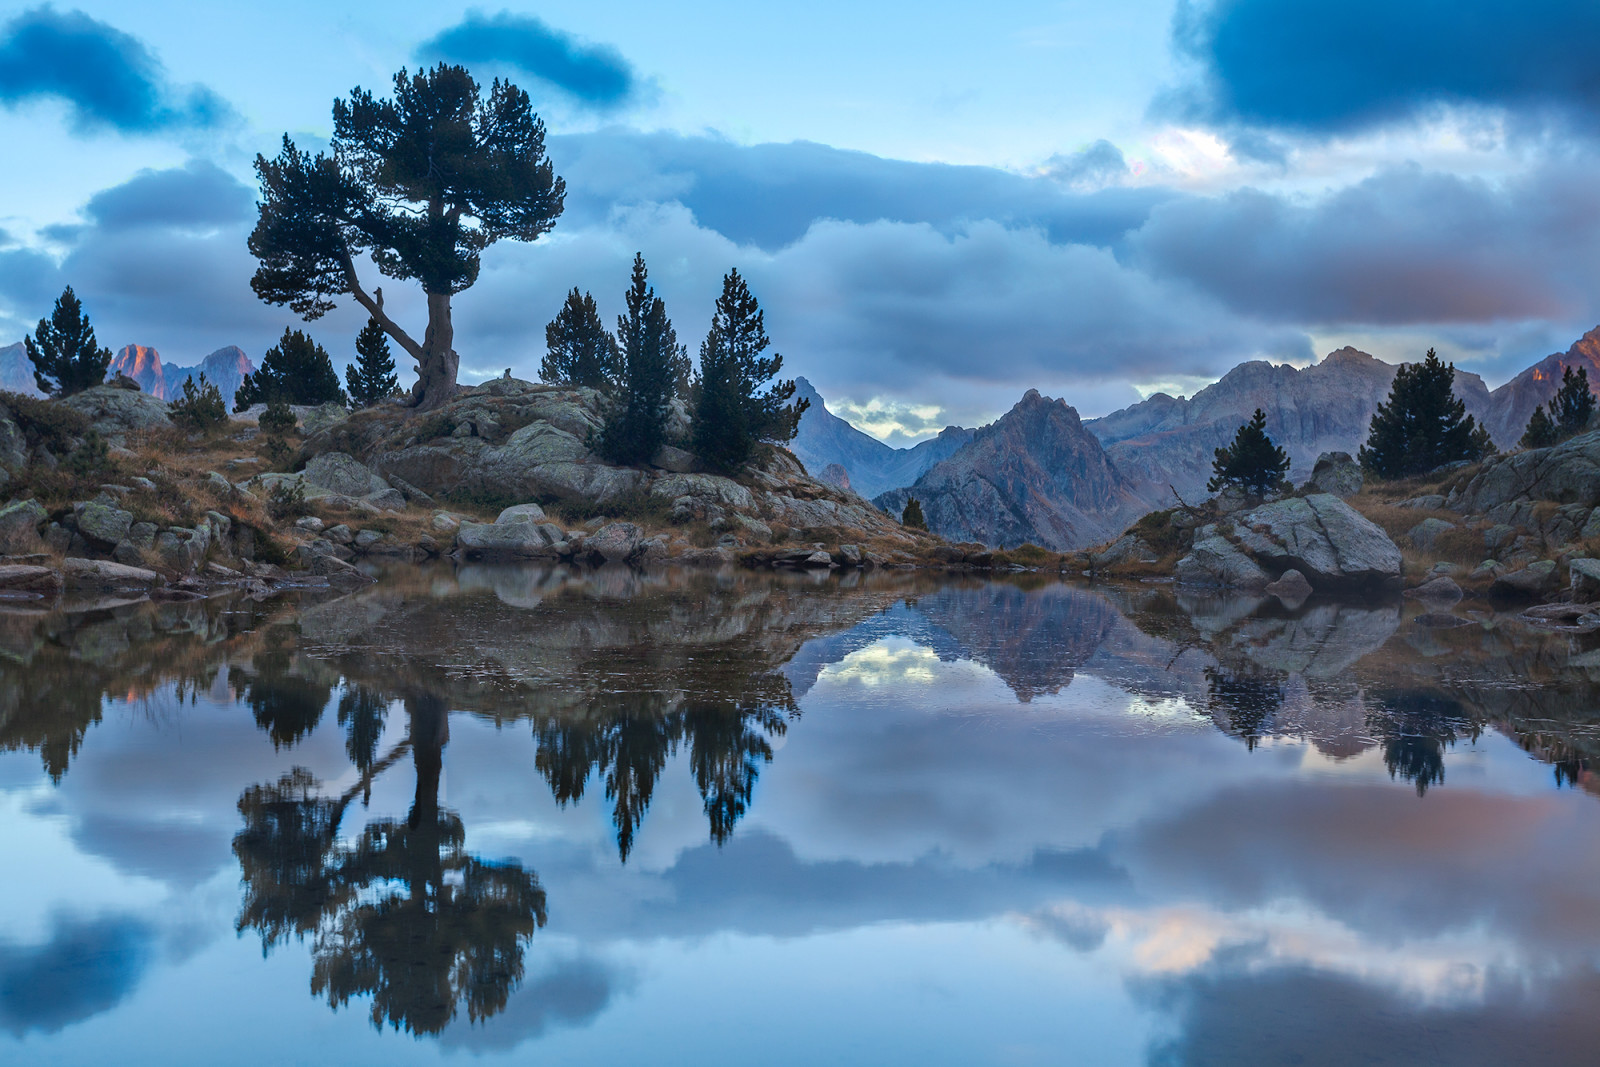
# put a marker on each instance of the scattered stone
(850, 555)
(367, 538)
(219, 485)
(615, 542)
(1291, 587)
(1442, 567)
(1585, 576)
(20, 577)
(1530, 582)
(19, 526)
(1337, 473)
(104, 574)
(1129, 548)
(340, 535)
(444, 522)
(339, 573)
(144, 484)
(1440, 590)
(341, 473)
(512, 539)
(521, 513)
(1429, 502)
(1426, 532)
(309, 523)
(1498, 536)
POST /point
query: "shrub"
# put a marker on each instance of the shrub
(278, 420)
(912, 515)
(287, 500)
(201, 407)
(43, 422)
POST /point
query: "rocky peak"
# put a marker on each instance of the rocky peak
(16, 371)
(143, 365)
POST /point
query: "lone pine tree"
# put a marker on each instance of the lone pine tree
(66, 359)
(579, 350)
(911, 515)
(422, 183)
(1423, 425)
(653, 366)
(371, 377)
(1252, 464)
(729, 414)
(296, 370)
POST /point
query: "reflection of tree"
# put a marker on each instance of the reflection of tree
(1248, 702)
(362, 712)
(287, 705)
(1414, 728)
(405, 915)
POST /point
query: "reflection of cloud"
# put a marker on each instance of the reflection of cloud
(570, 992)
(888, 662)
(85, 968)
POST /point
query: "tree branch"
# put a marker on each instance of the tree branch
(374, 308)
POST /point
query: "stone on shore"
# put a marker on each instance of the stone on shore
(19, 527)
(104, 574)
(1216, 561)
(1324, 538)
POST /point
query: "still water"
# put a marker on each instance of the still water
(516, 814)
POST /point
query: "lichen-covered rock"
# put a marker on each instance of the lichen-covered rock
(1568, 473)
(1425, 533)
(1324, 538)
(116, 413)
(521, 513)
(1337, 473)
(615, 542)
(19, 527)
(510, 540)
(27, 578)
(1441, 590)
(1216, 561)
(1127, 549)
(340, 473)
(1585, 577)
(1530, 582)
(103, 524)
(705, 488)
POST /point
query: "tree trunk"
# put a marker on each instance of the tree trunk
(430, 732)
(437, 364)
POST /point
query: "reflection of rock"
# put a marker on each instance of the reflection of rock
(1321, 642)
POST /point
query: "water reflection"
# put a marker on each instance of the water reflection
(1222, 871)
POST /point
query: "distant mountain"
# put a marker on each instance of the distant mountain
(1168, 441)
(871, 465)
(226, 368)
(1035, 474)
(1513, 402)
(16, 371)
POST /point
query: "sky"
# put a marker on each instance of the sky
(939, 207)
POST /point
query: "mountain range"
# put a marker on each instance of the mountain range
(1040, 474)
(226, 368)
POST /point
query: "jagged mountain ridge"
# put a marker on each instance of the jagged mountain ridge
(872, 466)
(16, 371)
(1036, 475)
(226, 368)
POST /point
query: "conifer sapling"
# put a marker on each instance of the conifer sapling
(371, 377)
(1252, 464)
(66, 359)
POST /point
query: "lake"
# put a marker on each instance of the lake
(530, 815)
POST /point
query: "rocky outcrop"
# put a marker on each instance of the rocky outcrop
(871, 467)
(1337, 473)
(1215, 561)
(1568, 473)
(115, 414)
(1035, 475)
(1322, 537)
(835, 474)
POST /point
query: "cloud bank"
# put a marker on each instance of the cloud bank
(594, 75)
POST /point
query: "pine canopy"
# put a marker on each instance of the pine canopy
(579, 349)
(1252, 464)
(66, 359)
(730, 414)
(653, 366)
(1423, 425)
(296, 370)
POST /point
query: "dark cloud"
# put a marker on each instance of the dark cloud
(85, 968)
(1098, 164)
(107, 78)
(569, 993)
(596, 75)
(197, 195)
(769, 195)
(1405, 246)
(1333, 68)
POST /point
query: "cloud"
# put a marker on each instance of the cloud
(85, 968)
(594, 75)
(108, 79)
(197, 195)
(1329, 69)
(1095, 165)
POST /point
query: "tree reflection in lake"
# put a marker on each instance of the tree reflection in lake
(405, 915)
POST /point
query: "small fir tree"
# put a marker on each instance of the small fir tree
(1541, 432)
(912, 515)
(1423, 425)
(201, 406)
(296, 370)
(1252, 464)
(371, 377)
(1573, 404)
(728, 414)
(580, 349)
(652, 369)
(66, 359)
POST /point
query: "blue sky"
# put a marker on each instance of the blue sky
(939, 206)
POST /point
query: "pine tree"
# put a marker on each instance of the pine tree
(1423, 425)
(912, 515)
(580, 350)
(296, 370)
(65, 357)
(1541, 432)
(1252, 463)
(729, 417)
(652, 368)
(200, 408)
(371, 377)
(1573, 404)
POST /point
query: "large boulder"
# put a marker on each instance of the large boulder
(103, 524)
(115, 413)
(1426, 532)
(343, 474)
(1216, 561)
(1568, 473)
(615, 542)
(513, 540)
(26, 578)
(103, 574)
(1322, 537)
(521, 513)
(1529, 583)
(1336, 473)
(19, 527)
